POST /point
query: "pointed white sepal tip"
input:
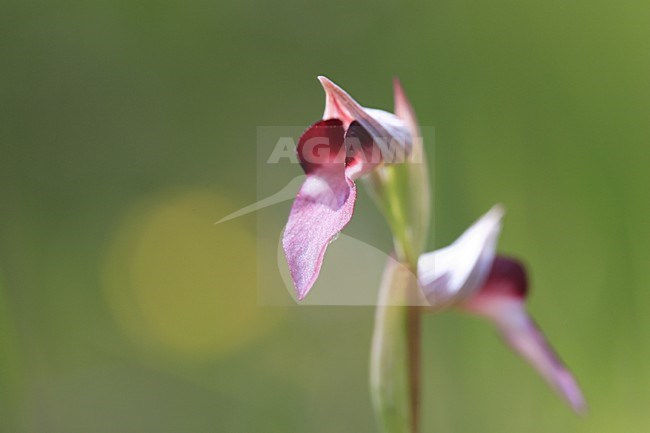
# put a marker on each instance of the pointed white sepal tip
(484, 231)
(496, 213)
(335, 91)
(451, 274)
(326, 82)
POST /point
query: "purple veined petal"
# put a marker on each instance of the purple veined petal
(323, 206)
(451, 274)
(389, 131)
(502, 301)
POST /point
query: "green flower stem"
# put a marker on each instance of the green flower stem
(390, 366)
(395, 355)
(402, 193)
(414, 350)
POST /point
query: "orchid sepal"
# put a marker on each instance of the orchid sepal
(388, 131)
(401, 191)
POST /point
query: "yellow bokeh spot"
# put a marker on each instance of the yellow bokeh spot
(180, 283)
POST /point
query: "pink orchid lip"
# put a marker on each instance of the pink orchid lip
(323, 206)
(470, 276)
(501, 299)
(350, 142)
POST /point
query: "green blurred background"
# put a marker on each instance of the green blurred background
(128, 127)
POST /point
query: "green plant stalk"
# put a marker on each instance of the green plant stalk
(402, 193)
(395, 354)
(389, 366)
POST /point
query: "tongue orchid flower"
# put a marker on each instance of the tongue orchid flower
(469, 275)
(349, 142)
